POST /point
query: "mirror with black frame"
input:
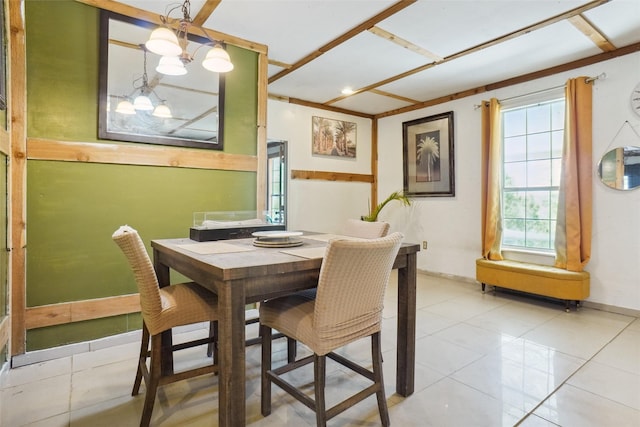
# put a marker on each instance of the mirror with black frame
(620, 168)
(185, 110)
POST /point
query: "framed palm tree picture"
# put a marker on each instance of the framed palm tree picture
(429, 156)
(333, 137)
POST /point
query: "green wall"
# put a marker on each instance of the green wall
(73, 208)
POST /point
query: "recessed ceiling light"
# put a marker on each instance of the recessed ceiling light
(347, 91)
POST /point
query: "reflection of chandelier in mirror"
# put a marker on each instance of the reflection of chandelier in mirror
(171, 44)
(142, 102)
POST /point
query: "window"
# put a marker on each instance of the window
(532, 155)
(276, 181)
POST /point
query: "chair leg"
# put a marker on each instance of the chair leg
(292, 350)
(154, 380)
(376, 355)
(142, 359)
(265, 382)
(319, 374)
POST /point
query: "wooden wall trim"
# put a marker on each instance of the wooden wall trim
(331, 176)
(138, 154)
(374, 163)
(77, 311)
(261, 148)
(17, 110)
(4, 333)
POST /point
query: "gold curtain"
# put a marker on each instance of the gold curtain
(573, 230)
(491, 180)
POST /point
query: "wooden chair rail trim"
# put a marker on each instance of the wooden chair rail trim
(138, 154)
(4, 332)
(331, 176)
(77, 311)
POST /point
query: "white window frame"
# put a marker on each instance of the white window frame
(530, 101)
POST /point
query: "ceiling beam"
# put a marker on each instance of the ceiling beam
(539, 25)
(587, 28)
(205, 12)
(279, 64)
(394, 96)
(344, 37)
(404, 43)
(322, 106)
(605, 56)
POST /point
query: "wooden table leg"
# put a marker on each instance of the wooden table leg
(406, 352)
(231, 336)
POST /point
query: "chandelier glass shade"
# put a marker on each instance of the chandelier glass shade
(163, 42)
(142, 103)
(162, 111)
(172, 43)
(172, 66)
(125, 107)
(217, 60)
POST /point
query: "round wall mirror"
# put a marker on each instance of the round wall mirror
(620, 168)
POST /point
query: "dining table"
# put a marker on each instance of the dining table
(241, 273)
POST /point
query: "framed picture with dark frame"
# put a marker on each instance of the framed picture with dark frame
(429, 156)
(195, 104)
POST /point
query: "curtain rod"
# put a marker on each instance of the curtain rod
(588, 80)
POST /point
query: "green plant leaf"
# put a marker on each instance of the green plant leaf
(396, 195)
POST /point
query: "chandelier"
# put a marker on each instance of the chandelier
(142, 102)
(170, 42)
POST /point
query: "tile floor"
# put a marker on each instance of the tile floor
(482, 360)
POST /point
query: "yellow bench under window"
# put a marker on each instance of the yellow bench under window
(535, 279)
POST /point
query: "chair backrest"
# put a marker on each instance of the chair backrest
(133, 248)
(365, 229)
(352, 284)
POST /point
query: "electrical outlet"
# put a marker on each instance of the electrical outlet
(424, 244)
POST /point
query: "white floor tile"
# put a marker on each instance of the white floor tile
(36, 371)
(102, 383)
(450, 403)
(576, 333)
(473, 337)
(571, 406)
(442, 356)
(623, 352)
(38, 400)
(610, 383)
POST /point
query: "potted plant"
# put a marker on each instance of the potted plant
(396, 195)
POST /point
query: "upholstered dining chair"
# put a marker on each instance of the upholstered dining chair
(351, 228)
(346, 307)
(163, 309)
(365, 229)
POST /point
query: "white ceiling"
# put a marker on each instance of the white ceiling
(294, 29)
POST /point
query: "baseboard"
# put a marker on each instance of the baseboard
(449, 276)
(46, 354)
(612, 308)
